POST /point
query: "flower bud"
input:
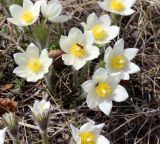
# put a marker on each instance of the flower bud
(11, 122)
(41, 113)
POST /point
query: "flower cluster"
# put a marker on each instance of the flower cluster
(79, 48)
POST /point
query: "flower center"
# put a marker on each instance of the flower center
(99, 32)
(103, 89)
(117, 5)
(77, 50)
(87, 138)
(27, 16)
(118, 62)
(34, 65)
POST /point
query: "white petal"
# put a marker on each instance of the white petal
(103, 5)
(92, 20)
(119, 47)
(84, 26)
(106, 106)
(102, 140)
(112, 32)
(21, 59)
(92, 100)
(60, 19)
(76, 36)
(120, 94)
(27, 4)
(130, 53)
(125, 76)
(89, 38)
(46, 61)
(114, 78)
(105, 20)
(127, 12)
(129, 3)
(79, 63)
(108, 52)
(34, 77)
(88, 85)
(92, 52)
(68, 59)
(33, 51)
(44, 7)
(133, 68)
(2, 135)
(87, 126)
(100, 74)
(75, 132)
(21, 71)
(97, 129)
(13, 21)
(36, 8)
(15, 11)
(65, 43)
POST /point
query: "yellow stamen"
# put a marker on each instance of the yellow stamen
(27, 17)
(34, 65)
(87, 138)
(118, 62)
(103, 89)
(77, 50)
(99, 32)
(117, 5)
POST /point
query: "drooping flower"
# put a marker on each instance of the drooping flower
(104, 88)
(101, 28)
(41, 113)
(78, 48)
(2, 135)
(52, 11)
(89, 133)
(122, 7)
(26, 15)
(119, 59)
(32, 65)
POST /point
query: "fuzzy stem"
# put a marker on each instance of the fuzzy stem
(44, 137)
(75, 78)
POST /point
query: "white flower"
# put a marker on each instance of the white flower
(78, 48)
(102, 31)
(32, 65)
(122, 7)
(2, 135)
(102, 89)
(52, 11)
(118, 60)
(41, 113)
(40, 107)
(89, 133)
(26, 15)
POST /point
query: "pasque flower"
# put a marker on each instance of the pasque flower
(41, 112)
(11, 122)
(2, 135)
(104, 88)
(119, 59)
(32, 64)
(89, 133)
(101, 28)
(26, 15)
(52, 11)
(78, 48)
(122, 7)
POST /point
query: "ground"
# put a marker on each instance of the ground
(135, 121)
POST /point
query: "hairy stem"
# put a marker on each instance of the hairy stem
(44, 137)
